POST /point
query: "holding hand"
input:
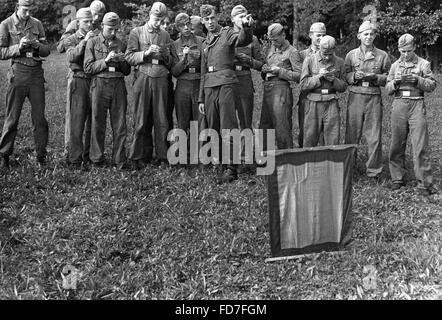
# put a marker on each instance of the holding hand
(110, 56)
(89, 35)
(248, 21)
(409, 78)
(359, 75)
(201, 108)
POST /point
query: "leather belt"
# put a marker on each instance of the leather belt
(155, 61)
(241, 68)
(211, 69)
(324, 91)
(365, 84)
(408, 94)
(193, 70)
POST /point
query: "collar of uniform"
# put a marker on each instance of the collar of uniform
(150, 29)
(320, 59)
(102, 38)
(17, 21)
(362, 56)
(413, 61)
(214, 34)
(285, 45)
(191, 38)
(79, 34)
(313, 50)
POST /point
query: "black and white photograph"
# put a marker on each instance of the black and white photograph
(220, 155)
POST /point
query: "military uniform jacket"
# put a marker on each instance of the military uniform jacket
(374, 61)
(12, 30)
(306, 53)
(417, 66)
(97, 50)
(75, 47)
(286, 59)
(156, 65)
(317, 88)
(218, 57)
(188, 68)
(70, 30)
(254, 52)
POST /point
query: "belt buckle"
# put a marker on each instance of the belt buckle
(211, 68)
(324, 91)
(155, 61)
(112, 69)
(192, 70)
(365, 84)
(238, 68)
(406, 93)
(29, 55)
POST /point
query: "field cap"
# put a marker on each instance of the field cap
(26, 2)
(318, 27)
(84, 13)
(206, 10)
(159, 10)
(274, 30)
(97, 6)
(327, 43)
(239, 9)
(182, 18)
(365, 26)
(196, 20)
(111, 19)
(405, 40)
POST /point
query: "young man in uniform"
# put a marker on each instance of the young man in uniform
(150, 49)
(317, 31)
(408, 79)
(246, 58)
(80, 100)
(280, 69)
(23, 40)
(366, 71)
(197, 26)
(98, 9)
(104, 60)
(216, 98)
(187, 71)
(323, 75)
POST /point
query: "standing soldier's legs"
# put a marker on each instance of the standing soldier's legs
(80, 109)
(301, 114)
(267, 120)
(355, 118)
(420, 140)
(101, 99)
(67, 121)
(282, 104)
(15, 97)
(38, 104)
(312, 123)
(332, 120)
(244, 101)
(117, 112)
(87, 131)
(212, 110)
(373, 135)
(160, 90)
(170, 102)
(183, 103)
(399, 133)
(141, 149)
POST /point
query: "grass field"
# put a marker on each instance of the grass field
(170, 234)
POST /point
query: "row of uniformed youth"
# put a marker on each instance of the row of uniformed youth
(214, 86)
